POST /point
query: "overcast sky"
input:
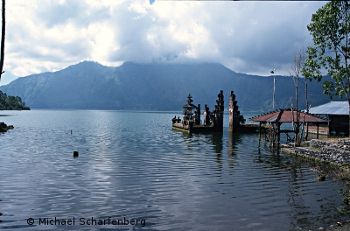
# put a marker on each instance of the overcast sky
(249, 37)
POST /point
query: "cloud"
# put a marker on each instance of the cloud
(249, 37)
(261, 35)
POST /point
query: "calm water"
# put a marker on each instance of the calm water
(133, 166)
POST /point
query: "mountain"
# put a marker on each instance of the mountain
(89, 85)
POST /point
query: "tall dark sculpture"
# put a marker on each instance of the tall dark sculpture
(191, 121)
(235, 117)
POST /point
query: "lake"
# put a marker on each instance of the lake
(135, 173)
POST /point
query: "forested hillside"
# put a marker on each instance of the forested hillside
(89, 85)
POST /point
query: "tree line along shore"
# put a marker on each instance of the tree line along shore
(8, 102)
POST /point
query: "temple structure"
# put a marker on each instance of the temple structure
(268, 123)
(191, 121)
(212, 120)
(235, 117)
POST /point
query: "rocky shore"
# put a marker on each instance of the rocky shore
(4, 127)
(334, 151)
(339, 227)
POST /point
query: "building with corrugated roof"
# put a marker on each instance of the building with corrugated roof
(337, 112)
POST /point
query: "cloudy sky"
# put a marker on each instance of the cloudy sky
(249, 37)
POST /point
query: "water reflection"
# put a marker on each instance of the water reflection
(303, 188)
(214, 140)
(135, 165)
(233, 140)
(308, 207)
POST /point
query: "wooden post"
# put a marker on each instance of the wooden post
(273, 135)
(259, 131)
(279, 133)
(199, 114)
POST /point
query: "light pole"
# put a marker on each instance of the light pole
(274, 89)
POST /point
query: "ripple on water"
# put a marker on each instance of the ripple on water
(142, 169)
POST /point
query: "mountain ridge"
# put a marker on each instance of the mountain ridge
(156, 86)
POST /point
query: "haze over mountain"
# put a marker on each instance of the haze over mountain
(156, 86)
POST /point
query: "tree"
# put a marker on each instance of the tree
(11, 102)
(295, 71)
(2, 54)
(330, 29)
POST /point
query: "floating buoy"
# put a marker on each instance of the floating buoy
(75, 154)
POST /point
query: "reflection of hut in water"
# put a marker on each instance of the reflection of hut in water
(191, 121)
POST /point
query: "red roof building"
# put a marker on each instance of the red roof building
(286, 116)
(276, 118)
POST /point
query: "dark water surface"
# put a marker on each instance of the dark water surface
(133, 166)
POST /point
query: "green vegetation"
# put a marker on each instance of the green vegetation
(11, 102)
(330, 29)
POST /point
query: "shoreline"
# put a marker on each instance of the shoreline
(332, 152)
(340, 227)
